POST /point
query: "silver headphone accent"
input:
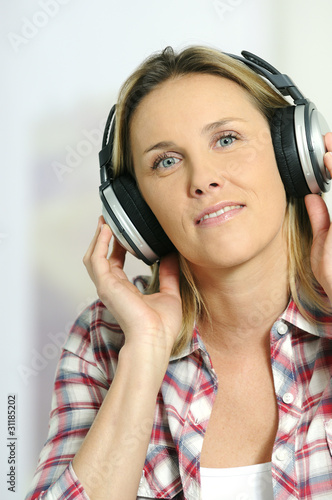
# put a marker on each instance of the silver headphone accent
(319, 128)
(124, 230)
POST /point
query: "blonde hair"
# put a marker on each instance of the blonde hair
(149, 75)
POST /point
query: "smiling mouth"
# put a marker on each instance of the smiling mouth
(219, 212)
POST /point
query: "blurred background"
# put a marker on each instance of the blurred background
(63, 62)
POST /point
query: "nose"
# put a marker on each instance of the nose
(205, 181)
(198, 192)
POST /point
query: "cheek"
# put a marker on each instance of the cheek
(261, 179)
(272, 199)
(261, 167)
(160, 202)
(167, 214)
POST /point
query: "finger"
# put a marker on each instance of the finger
(98, 259)
(100, 262)
(169, 274)
(90, 250)
(328, 141)
(328, 155)
(94, 239)
(318, 214)
(328, 161)
(101, 247)
(118, 254)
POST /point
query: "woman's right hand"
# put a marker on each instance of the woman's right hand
(146, 320)
(117, 442)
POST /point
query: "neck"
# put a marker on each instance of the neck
(243, 302)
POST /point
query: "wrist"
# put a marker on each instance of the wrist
(146, 363)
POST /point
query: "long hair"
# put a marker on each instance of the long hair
(152, 73)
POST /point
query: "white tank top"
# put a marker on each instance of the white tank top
(253, 482)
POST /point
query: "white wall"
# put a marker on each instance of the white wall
(62, 64)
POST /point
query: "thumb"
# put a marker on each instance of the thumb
(318, 214)
(169, 274)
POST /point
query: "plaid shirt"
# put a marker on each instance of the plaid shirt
(301, 357)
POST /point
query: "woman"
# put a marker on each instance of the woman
(214, 380)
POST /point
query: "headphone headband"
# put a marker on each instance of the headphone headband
(105, 155)
(279, 80)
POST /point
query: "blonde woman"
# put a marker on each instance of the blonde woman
(213, 380)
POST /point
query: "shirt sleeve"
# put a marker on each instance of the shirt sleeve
(79, 390)
(66, 487)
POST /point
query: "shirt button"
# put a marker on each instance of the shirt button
(282, 328)
(281, 455)
(288, 398)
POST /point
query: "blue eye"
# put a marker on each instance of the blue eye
(168, 162)
(226, 140)
(165, 162)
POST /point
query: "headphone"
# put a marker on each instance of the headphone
(297, 134)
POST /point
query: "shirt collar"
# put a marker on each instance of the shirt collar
(195, 343)
(316, 324)
(293, 316)
(320, 326)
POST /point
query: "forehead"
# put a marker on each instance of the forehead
(194, 99)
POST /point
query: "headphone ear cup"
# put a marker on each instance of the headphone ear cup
(140, 214)
(286, 152)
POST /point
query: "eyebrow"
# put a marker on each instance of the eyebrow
(210, 127)
(160, 145)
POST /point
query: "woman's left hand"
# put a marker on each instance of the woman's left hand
(321, 251)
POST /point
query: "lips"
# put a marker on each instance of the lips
(217, 210)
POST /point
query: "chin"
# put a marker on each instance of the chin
(228, 255)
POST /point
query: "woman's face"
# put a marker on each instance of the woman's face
(205, 164)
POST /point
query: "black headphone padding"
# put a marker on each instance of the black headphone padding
(286, 152)
(140, 214)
